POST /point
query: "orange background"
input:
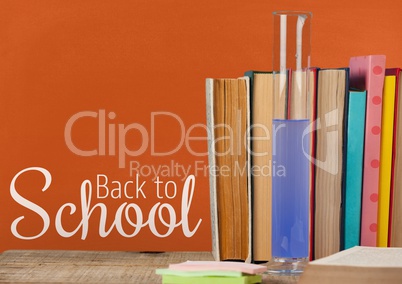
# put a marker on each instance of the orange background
(58, 58)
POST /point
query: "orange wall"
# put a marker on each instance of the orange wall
(132, 58)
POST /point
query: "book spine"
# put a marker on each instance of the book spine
(354, 168)
(387, 125)
(250, 75)
(212, 163)
(395, 236)
(331, 100)
(248, 154)
(367, 72)
(313, 118)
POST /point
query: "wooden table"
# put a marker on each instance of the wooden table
(28, 266)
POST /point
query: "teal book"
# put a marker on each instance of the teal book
(352, 196)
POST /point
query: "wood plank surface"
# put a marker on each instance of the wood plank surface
(52, 266)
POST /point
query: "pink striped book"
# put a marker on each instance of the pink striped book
(367, 73)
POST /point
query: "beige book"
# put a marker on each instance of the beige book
(357, 265)
(331, 94)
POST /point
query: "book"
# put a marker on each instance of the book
(357, 265)
(228, 119)
(367, 73)
(332, 93)
(387, 132)
(261, 98)
(395, 220)
(309, 100)
(312, 101)
(351, 198)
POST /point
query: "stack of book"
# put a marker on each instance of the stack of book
(356, 162)
(212, 272)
